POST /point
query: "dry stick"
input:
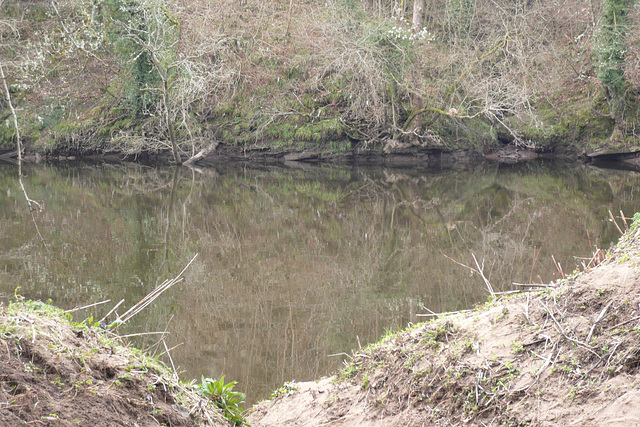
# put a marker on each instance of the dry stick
(626, 226)
(171, 349)
(526, 311)
(143, 333)
(611, 354)
(486, 281)
(558, 267)
(584, 267)
(431, 312)
(614, 221)
(532, 285)
(475, 271)
(170, 358)
(88, 306)
(151, 296)
(446, 313)
(144, 302)
(624, 323)
(459, 263)
(547, 362)
(30, 201)
(598, 319)
(112, 310)
(516, 291)
(598, 256)
(560, 329)
(7, 95)
(338, 354)
(162, 337)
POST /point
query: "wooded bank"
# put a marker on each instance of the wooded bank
(154, 76)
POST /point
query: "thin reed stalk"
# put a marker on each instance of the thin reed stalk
(87, 306)
(150, 297)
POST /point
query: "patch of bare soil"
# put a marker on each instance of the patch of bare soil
(56, 373)
(566, 355)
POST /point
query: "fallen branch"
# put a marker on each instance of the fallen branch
(202, 153)
(560, 329)
(538, 372)
(140, 334)
(532, 285)
(14, 115)
(175, 372)
(516, 291)
(446, 313)
(481, 272)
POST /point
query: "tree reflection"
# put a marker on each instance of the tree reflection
(296, 264)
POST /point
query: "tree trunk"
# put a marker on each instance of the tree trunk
(7, 95)
(418, 15)
(417, 121)
(167, 116)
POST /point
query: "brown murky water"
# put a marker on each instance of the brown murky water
(295, 265)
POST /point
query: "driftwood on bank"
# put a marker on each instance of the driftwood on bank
(202, 153)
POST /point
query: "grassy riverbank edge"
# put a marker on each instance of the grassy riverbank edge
(56, 371)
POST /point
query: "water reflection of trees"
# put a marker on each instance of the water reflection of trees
(294, 264)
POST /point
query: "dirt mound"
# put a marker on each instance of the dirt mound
(569, 354)
(53, 372)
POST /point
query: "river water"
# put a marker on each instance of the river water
(296, 265)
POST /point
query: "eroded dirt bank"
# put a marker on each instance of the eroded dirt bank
(53, 372)
(567, 355)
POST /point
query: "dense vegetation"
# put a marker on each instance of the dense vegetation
(139, 76)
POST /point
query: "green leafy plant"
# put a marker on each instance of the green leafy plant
(517, 347)
(225, 398)
(287, 389)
